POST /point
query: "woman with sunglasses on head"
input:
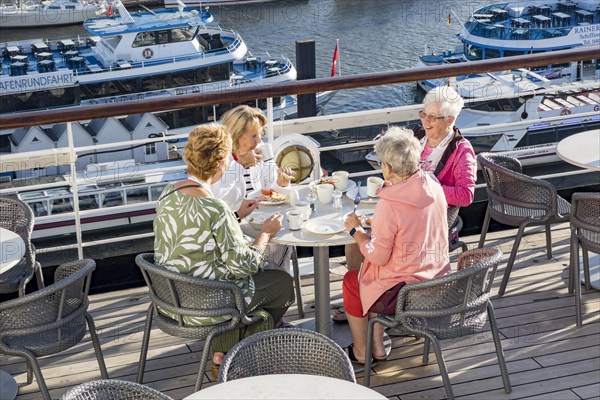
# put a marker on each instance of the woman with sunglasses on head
(445, 153)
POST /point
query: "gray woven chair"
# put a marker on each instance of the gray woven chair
(585, 233)
(113, 389)
(286, 351)
(18, 217)
(185, 295)
(448, 307)
(455, 224)
(50, 320)
(518, 200)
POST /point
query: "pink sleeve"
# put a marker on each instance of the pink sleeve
(378, 250)
(464, 173)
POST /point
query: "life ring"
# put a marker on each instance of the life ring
(147, 53)
(565, 111)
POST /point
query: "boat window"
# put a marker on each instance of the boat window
(39, 208)
(156, 191)
(182, 34)
(492, 53)
(144, 39)
(61, 205)
(88, 202)
(112, 41)
(163, 37)
(137, 195)
(112, 198)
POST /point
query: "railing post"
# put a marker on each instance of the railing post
(270, 119)
(74, 189)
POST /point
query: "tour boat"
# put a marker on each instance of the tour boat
(200, 3)
(133, 57)
(517, 28)
(49, 12)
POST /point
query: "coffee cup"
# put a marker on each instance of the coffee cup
(294, 218)
(304, 208)
(340, 180)
(325, 192)
(373, 185)
(266, 150)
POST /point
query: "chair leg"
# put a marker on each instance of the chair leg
(29, 373)
(145, 342)
(426, 351)
(369, 352)
(297, 286)
(96, 343)
(39, 276)
(442, 365)
(204, 360)
(498, 345)
(586, 268)
(548, 242)
(576, 273)
(32, 362)
(511, 261)
(572, 255)
(484, 229)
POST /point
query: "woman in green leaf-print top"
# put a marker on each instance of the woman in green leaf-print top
(197, 234)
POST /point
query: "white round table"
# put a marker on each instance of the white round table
(287, 386)
(319, 242)
(581, 149)
(12, 249)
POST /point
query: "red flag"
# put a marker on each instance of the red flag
(336, 58)
(449, 19)
(110, 10)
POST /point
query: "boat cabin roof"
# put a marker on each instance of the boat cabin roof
(147, 21)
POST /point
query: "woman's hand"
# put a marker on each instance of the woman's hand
(273, 224)
(249, 159)
(284, 176)
(352, 221)
(247, 207)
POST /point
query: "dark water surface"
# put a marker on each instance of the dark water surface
(375, 36)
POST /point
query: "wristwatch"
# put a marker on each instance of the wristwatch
(237, 216)
(352, 232)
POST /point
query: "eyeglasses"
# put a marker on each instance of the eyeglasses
(429, 117)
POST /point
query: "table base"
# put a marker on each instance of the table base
(8, 386)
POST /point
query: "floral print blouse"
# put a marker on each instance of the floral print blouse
(200, 236)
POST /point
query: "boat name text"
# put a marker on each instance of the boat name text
(589, 35)
(29, 83)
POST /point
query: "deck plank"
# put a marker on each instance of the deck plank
(547, 356)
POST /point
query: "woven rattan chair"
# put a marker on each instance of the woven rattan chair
(455, 224)
(448, 307)
(18, 217)
(50, 320)
(286, 351)
(185, 295)
(585, 233)
(113, 389)
(518, 200)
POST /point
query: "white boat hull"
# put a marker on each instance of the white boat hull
(199, 3)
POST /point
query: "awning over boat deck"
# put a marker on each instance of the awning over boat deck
(542, 21)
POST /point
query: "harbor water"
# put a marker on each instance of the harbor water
(374, 36)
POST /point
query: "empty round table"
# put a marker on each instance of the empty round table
(12, 249)
(581, 149)
(287, 386)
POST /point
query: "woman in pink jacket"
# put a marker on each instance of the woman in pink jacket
(408, 242)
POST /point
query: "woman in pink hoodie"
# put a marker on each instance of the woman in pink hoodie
(408, 241)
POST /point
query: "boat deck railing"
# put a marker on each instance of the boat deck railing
(23, 161)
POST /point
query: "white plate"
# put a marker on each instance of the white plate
(257, 218)
(257, 193)
(351, 194)
(324, 227)
(351, 185)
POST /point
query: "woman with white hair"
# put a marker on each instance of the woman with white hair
(444, 151)
(409, 232)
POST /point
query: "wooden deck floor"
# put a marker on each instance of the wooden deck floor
(548, 356)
